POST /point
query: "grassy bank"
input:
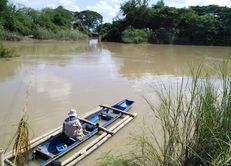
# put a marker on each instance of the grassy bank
(6, 52)
(12, 36)
(195, 125)
(44, 34)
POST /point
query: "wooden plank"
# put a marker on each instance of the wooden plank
(118, 110)
(97, 125)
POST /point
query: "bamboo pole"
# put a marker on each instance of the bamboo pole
(100, 142)
(89, 146)
(8, 162)
(118, 110)
(1, 157)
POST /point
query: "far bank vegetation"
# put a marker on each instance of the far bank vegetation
(162, 24)
(59, 23)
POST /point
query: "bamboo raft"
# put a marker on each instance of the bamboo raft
(121, 119)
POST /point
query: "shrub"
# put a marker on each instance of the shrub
(43, 34)
(131, 35)
(6, 52)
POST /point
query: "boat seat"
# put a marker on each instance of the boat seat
(43, 154)
(108, 114)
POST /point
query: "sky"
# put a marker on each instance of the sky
(108, 8)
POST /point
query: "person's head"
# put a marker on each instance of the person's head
(72, 113)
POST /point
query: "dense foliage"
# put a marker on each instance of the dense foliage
(47, 23)
(210, 25)
(89, 18)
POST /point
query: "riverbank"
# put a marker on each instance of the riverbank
(161, 36)
(44, 34)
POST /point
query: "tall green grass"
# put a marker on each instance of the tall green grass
(195, 124)
(6, 52)
(13, 36)
(44, 34)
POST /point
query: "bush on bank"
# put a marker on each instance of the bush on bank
(6, 52)
(132, 35)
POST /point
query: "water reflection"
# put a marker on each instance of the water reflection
(166, 59)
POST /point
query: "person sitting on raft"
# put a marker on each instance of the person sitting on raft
(72, 126)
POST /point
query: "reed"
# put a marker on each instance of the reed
(21, 146)
(195, 124)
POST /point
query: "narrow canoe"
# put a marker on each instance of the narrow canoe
(50, 150)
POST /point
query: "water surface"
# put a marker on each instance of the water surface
(84, 74)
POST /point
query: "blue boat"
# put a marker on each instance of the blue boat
(49, 151)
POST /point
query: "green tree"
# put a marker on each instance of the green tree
(3, 9)
(135, 11)
(91, 19)
(62, 17)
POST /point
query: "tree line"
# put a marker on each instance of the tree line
(207, 25)
(46, 23)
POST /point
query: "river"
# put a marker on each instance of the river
(84, 74)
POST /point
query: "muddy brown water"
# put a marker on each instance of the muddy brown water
(87, 73)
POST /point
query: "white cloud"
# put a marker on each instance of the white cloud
(217, 2)
(107, 8)
(20, 3)
(55, 87)
(67, 4)
(186, 3)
